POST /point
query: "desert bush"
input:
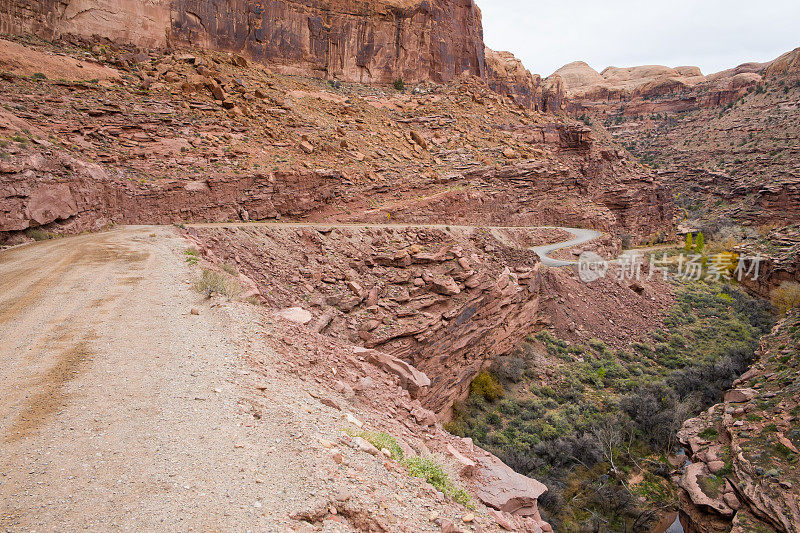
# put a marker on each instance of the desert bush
(382, 440)
(432, 472)
(38, 234)
(509, 368)
(399, 84)
(486, 386)
(509, 407)
(211, 283)
(786, 296)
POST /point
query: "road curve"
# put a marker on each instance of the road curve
(581, 236)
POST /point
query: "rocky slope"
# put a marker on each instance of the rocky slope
(745, 451)
(430, 296)
(175, 137)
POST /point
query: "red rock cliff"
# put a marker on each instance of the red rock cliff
(350, 40)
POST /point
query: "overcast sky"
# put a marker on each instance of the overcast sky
(711, 34)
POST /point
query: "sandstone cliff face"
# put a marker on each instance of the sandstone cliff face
(145, 23)
(652, 88)
(508, 76)
(371, 42)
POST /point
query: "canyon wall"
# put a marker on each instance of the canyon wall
(652, 88)
(145, 23)
(350, 40)
(347, 40)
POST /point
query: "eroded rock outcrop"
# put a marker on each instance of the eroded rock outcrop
(652, 88)
(744, 450)
(219, 141)
(508, 76)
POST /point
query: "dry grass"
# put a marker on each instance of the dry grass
(211, 283)
(786, 297)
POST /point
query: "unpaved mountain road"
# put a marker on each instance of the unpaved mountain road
(121, 410)
(580, 235)
(119, 407)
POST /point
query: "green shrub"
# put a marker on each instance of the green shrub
(381, 440)
(509, 407)
(432, 472)
(709, 434)
(399, 84)
(486, 386)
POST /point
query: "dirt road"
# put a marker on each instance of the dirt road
(580, 235)
(119, 408)
(122, 410)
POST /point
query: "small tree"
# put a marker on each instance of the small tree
(486, 385)
(786, 296)
(399, 85)
(700, 242)
(689, 243)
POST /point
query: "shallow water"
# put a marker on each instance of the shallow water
(670, 523)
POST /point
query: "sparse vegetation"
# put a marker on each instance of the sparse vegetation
(211, 283)
(399, 84)
(38, 234)
(608, 415)
(432, 472)
(381, 440)
(230, 269)
(786, 296)
(192, 255)
(422, 467)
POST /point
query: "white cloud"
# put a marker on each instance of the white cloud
(712, 34)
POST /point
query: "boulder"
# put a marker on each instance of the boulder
(411, 379)
(692, 481)
(298, 315)
(740, 395)
(51, 203)
(499, 487)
